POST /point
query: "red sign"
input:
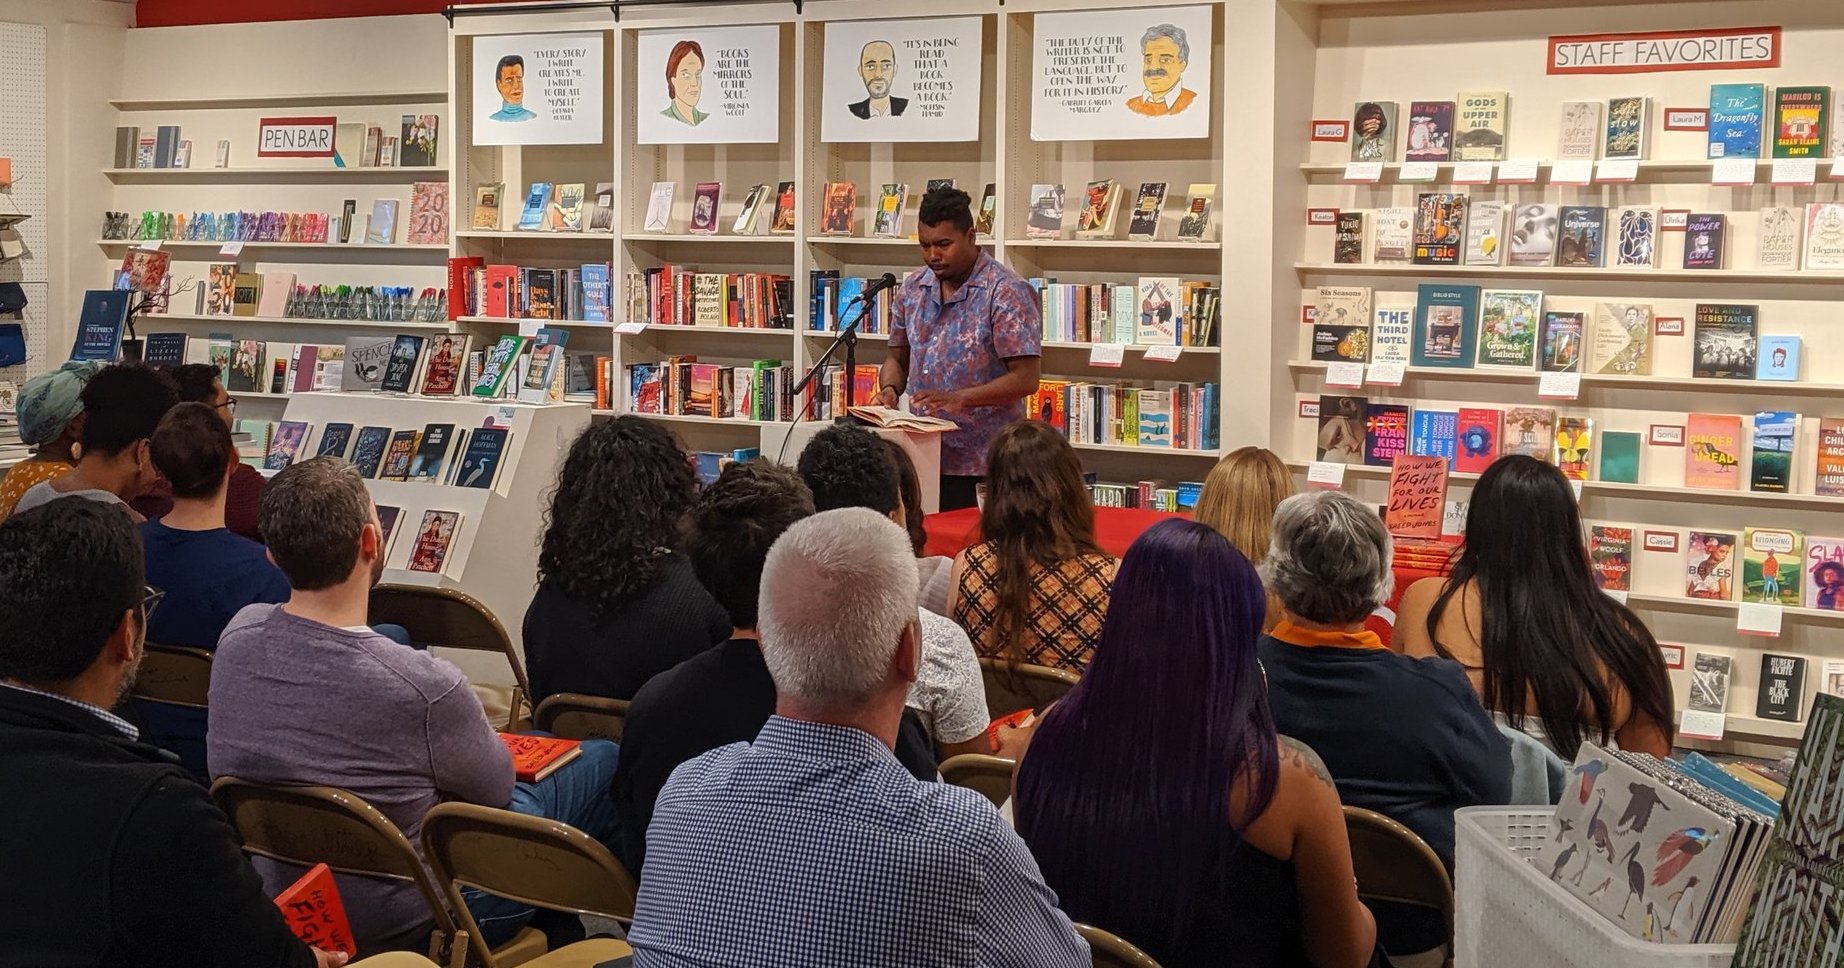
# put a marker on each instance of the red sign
(1654, 52)
(1687, 119)
(1673, 655)
(295, 137)
(1336, 132)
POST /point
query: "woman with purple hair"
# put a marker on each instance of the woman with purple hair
(1157, 798)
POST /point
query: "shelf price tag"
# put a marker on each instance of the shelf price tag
(1364, 171)
(631, 329)
(1386, 374)
(1521, 171)
(1575, 484)
(1795, 171)
(1164, 353)
(1107, 354)
(1617, 170)
(1837, 170)
(1344, 374)
(149, 245)
(1472, 173)
(1617, 594)
(1732, 171)
(1758, 618)
(529, 327)
(1328, 474)
(1574, 171)
(1702, 724)
(1559, 386)
(1419, 171)
(231, 250)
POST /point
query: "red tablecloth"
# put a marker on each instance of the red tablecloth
(1115, 529)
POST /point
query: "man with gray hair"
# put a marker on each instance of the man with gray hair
(813, 846)
(1404, 737)
(1164, 54)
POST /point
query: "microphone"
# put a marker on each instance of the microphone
(886, 281)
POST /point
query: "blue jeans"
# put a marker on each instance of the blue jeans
(576, 794)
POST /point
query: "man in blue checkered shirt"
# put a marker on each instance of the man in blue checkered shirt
(813, 846)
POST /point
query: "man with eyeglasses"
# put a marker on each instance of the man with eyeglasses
(201, 382)
(114, 856)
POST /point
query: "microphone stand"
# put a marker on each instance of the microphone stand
(848, 338)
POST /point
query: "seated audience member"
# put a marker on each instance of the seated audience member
(305, 693)
(121, 405)
(200, 383)
(616, 605)
(847, 467)
(1156, 795)
(1036, 589)
(207, 573)
(114, 857)
(812, 845)
(1239, 499)
(1404, 737)
(1547, 650)
(936, 570)
(724, 694)
(50, 412)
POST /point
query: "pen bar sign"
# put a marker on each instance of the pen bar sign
(1655, 52)
(295, 137)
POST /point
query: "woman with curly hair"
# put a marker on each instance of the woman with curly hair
(616, 604)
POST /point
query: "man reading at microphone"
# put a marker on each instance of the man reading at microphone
(964, 342)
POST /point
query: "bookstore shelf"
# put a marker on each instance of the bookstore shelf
(1166, 245)
(515, 320)
(279, 174)
(1754, 726)
(1807, 276)
(1593, 380)
(1672, 603)
(862, 240)
(700, 237)
(146, 321)
(1139, 348)
(1149, 451)
(1653, 491)
(396, 247)
(605, 238)
(750, 331)
(279, 101)
(686, 418)
(1444, 171)
(827, 334)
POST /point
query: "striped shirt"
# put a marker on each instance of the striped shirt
(114, 722)
(813, 846)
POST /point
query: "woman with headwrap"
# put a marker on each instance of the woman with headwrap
(50, 410)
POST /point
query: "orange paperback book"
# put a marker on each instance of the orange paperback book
(536, 757)
(312, 908)
(1712, 451)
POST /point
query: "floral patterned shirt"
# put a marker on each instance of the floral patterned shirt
(964, 343)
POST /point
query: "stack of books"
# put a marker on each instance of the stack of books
(684, 386)
(1181, 416)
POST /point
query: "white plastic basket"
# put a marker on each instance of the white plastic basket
(1508, 915)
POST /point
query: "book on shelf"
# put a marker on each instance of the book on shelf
(1440, 228)
(420, 134)
(1444, 325)
(1560, 341)
(1705, 241)
(432, 447)
(1825, 236)
(1417, 496)
(937, 183)
(1347, 239)
(1621, 344)
(246, 293)
(1161, 311)
(1392, 330)
(398, 455)
(286, 444)
(1485, 233)
(1045, 215)
(1712, 451)
(545, 368)
(126, 139)
(839, 209)
(443, 373)
(1574, 447)
(1435, 433)
(782, 222)
(1581, 131)
(1341, 428)
(1533, 235)
(1392, 232)
(1735, 119)
(1481, 123)
(1828, 474)
(1386, 433)
(1508, 324)
(1144, 225)
(891, 419)
(989, 206)
(368, 450)
(1341, 321)
(388, 516)
(1773, 559)
(1725, 341)
(1373, 131)
(1610, 557)
(1801, 116)
(887, 220)
(537, 205)
(1776, 435)
(707, 198)
(1628, 128)
(602, 208)
(163, 349)
(1795, 906)
(485, 453)
(277, 286)
(366, 358)
(1100, 201)
(1824, 574)
(751, 213)
(659, 207)
(1194, 224)
(335, 438)
(144, 153)
(374, 140)
(497, 366)
(537, 757)
(1778, 239)
(144, 270)
(1582, 239)
(565, 212)
(220, 288)
(401, 369)
(1620, 456)
(1346, 342)
(100, 324)
(314, 913)
(1528, 432)
(1635, 243)
(246, 367)
(1183, 416)
(1430, 131)
(433, 540)
(382, 229)
(166, 145)
(428, 213)
(1480, 429)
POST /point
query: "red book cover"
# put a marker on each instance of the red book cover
(1417, 496)
(1712, 451)
(536, 757)
(502, 291)
(312, 908)
(1477, 443)
(459, 272)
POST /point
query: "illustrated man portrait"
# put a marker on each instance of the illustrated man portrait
(1164, 54)
(877, 68)
(509, 78)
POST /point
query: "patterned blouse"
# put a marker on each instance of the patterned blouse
(23, 476)
(1067, 605)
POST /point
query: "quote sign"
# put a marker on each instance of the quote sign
(1417, 496)
(902, 80)
(713, 85)
(295, 137)
(1116, 75)
(538, 89)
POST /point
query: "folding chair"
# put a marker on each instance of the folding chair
(990, 776)
(531, 860)
(449, 618)
(1393, 864)
(307, 825)
(1025, 687)
(1112, 951)
(175, 675)
(573, 715)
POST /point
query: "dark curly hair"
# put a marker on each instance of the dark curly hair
(623, 488)
(845, 466)
(732, 525)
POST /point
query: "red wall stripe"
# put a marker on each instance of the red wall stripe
(180, 13)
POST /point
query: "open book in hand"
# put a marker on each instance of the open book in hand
(890, 419)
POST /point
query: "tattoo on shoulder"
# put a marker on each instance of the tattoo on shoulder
(1301, 755)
